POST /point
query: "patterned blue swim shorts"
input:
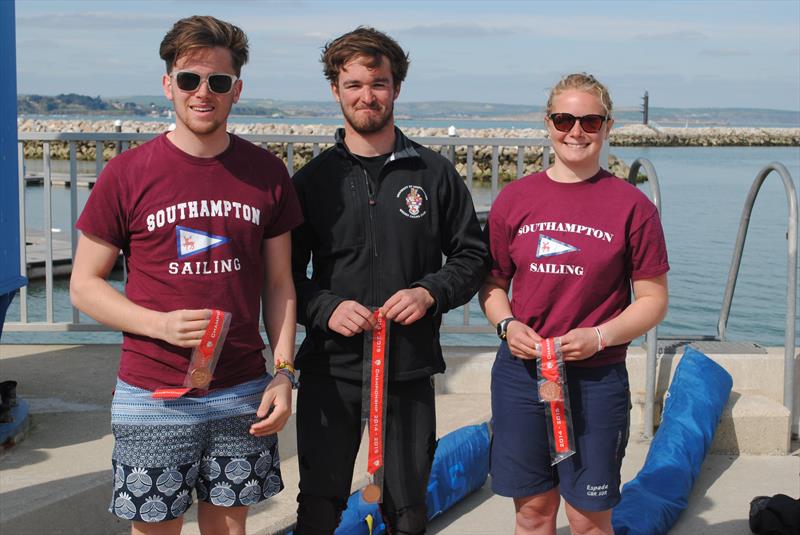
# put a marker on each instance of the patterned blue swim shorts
(165, 448)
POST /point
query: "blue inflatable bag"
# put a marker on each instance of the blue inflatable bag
(460, 466)
(653, 500)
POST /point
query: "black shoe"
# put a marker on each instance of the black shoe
(8, 393)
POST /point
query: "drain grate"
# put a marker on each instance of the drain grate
(731, 348)
(673, 347)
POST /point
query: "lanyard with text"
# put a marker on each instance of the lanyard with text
(204, 358)
(376, 343)
(553, 391)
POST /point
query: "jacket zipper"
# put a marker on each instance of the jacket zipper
(373, 260)
(372, 203)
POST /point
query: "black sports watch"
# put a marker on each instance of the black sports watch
(502, 327)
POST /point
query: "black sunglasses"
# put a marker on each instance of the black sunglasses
(220, 83)
(591, 124)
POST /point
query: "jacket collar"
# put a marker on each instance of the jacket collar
(403, 147)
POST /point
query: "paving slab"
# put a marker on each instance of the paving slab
(719, 503)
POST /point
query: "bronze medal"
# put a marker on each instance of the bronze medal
(201, 377)
(549, 391)
(371, 493)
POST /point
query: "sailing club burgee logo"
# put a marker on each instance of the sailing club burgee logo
(414, 201)
(550, 247)
(192, 241)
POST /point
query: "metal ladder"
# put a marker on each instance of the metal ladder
(651, 338)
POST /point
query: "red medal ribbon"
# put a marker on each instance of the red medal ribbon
(550, 361)
(212, 335)
(170, 393)
(559, 426)
(551, 373)
(377, 393)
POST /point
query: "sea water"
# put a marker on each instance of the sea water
(703, 191)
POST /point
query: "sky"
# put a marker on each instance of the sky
(703, 53)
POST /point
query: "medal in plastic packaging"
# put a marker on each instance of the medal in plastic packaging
(552, 384)
(205, 356)
(373, 403)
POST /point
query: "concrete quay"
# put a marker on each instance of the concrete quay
(58, 478)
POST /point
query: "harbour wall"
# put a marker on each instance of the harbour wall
(626, 136)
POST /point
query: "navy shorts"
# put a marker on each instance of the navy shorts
(520, 453)
(165, 449)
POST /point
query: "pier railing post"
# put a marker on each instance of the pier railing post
(118, 128)
(651, 338)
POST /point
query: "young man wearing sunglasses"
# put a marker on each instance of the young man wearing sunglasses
(380, 212)
(203, 219)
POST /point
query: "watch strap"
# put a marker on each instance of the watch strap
(502, 327)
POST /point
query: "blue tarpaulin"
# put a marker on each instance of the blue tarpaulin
(653, 500)
(460, 466)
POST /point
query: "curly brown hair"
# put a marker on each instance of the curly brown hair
(367, 42)
(204, 32)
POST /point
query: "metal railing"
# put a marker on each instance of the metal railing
(459, 150)
(451, 147)
(651, 338)
(791, 277)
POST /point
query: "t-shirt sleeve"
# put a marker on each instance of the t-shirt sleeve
(286, 212)
(648, 250)
(104, 215)
(497, 235)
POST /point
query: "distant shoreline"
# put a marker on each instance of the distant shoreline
(632, 135)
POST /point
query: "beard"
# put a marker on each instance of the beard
(371, 123)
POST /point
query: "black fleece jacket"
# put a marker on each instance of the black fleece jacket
(368, 239)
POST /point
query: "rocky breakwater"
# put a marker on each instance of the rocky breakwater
(630, 135)
(639, 135)
(303, 152)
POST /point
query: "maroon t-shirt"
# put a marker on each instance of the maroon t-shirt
(571, 250)
(192, 231)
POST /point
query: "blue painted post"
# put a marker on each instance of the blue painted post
(10, 277)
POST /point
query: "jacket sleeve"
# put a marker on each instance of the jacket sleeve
(314, 304)
(466, 265)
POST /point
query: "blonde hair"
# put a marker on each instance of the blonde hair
(582, 82)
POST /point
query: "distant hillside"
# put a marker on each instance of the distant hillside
(311, 108)
(73, 104)
(143, 105)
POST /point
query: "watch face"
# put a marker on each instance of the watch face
(502, 326)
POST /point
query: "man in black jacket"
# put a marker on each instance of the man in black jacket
(380, 211)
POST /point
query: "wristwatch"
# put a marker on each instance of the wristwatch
(502, 327)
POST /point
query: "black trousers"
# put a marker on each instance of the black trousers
(329, 429)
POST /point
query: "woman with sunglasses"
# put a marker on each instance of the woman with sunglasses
(572, 240)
